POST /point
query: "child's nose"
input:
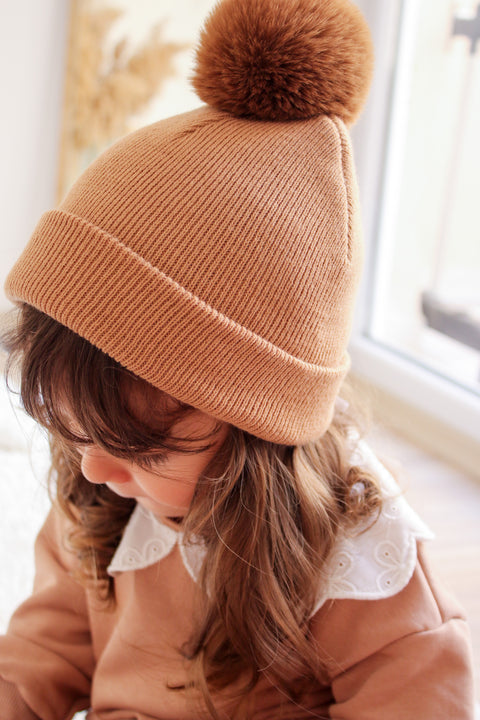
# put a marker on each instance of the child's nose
(100, 467)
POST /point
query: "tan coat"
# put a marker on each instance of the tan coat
(406, 657)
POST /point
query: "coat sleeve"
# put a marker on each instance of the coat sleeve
(408, 656)
(46, 657)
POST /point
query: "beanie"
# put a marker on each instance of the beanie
(216, 254)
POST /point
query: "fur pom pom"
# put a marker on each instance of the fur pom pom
(285, 59)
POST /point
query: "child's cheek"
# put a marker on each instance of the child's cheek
(176, 489)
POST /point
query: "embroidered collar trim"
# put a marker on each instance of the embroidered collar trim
(376, 561)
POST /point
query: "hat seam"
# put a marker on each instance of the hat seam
(343, 156)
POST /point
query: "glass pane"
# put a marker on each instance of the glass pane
(426, 294)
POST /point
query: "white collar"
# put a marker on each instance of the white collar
(369, 565)
(146, 540)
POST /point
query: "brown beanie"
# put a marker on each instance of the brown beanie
(216, 254)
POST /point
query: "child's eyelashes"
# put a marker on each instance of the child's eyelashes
(147, 461)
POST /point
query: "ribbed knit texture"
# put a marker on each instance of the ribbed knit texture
(218, 259)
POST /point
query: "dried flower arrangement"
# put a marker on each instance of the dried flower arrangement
(103, 91)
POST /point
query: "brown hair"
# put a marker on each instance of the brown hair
(268, 513)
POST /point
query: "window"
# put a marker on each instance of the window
(420, 326)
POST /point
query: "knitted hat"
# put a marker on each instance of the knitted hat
(216, 254)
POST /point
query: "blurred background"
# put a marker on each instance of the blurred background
(76, 75)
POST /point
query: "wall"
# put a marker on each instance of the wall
(32, 59)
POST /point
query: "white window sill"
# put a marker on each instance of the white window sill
(433, 412)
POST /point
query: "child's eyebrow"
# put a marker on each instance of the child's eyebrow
(151, 407)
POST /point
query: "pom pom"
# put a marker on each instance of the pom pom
(285, 59)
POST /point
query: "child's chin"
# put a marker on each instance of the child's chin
(174, 514)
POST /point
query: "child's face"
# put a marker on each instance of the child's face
(167, 489)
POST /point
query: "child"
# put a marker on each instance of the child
(222, 543)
